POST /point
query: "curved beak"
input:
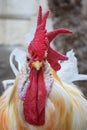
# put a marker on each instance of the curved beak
(37, 65)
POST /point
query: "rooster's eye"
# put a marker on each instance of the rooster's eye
(27, 59)
(44, 59)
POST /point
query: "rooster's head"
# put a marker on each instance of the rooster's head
(40, 52)
(39, 48)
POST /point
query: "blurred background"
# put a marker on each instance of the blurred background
(18, 18)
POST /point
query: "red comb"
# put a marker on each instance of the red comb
(37, 45)
(51, 35)
(39, 20)
(42, 39)
(53, 57)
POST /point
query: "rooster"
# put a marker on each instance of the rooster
(39, 99)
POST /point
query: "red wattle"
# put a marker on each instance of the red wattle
(35, 99)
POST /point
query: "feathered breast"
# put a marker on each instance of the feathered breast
(65, 109)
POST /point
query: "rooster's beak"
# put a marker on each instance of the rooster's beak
(37, 65)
